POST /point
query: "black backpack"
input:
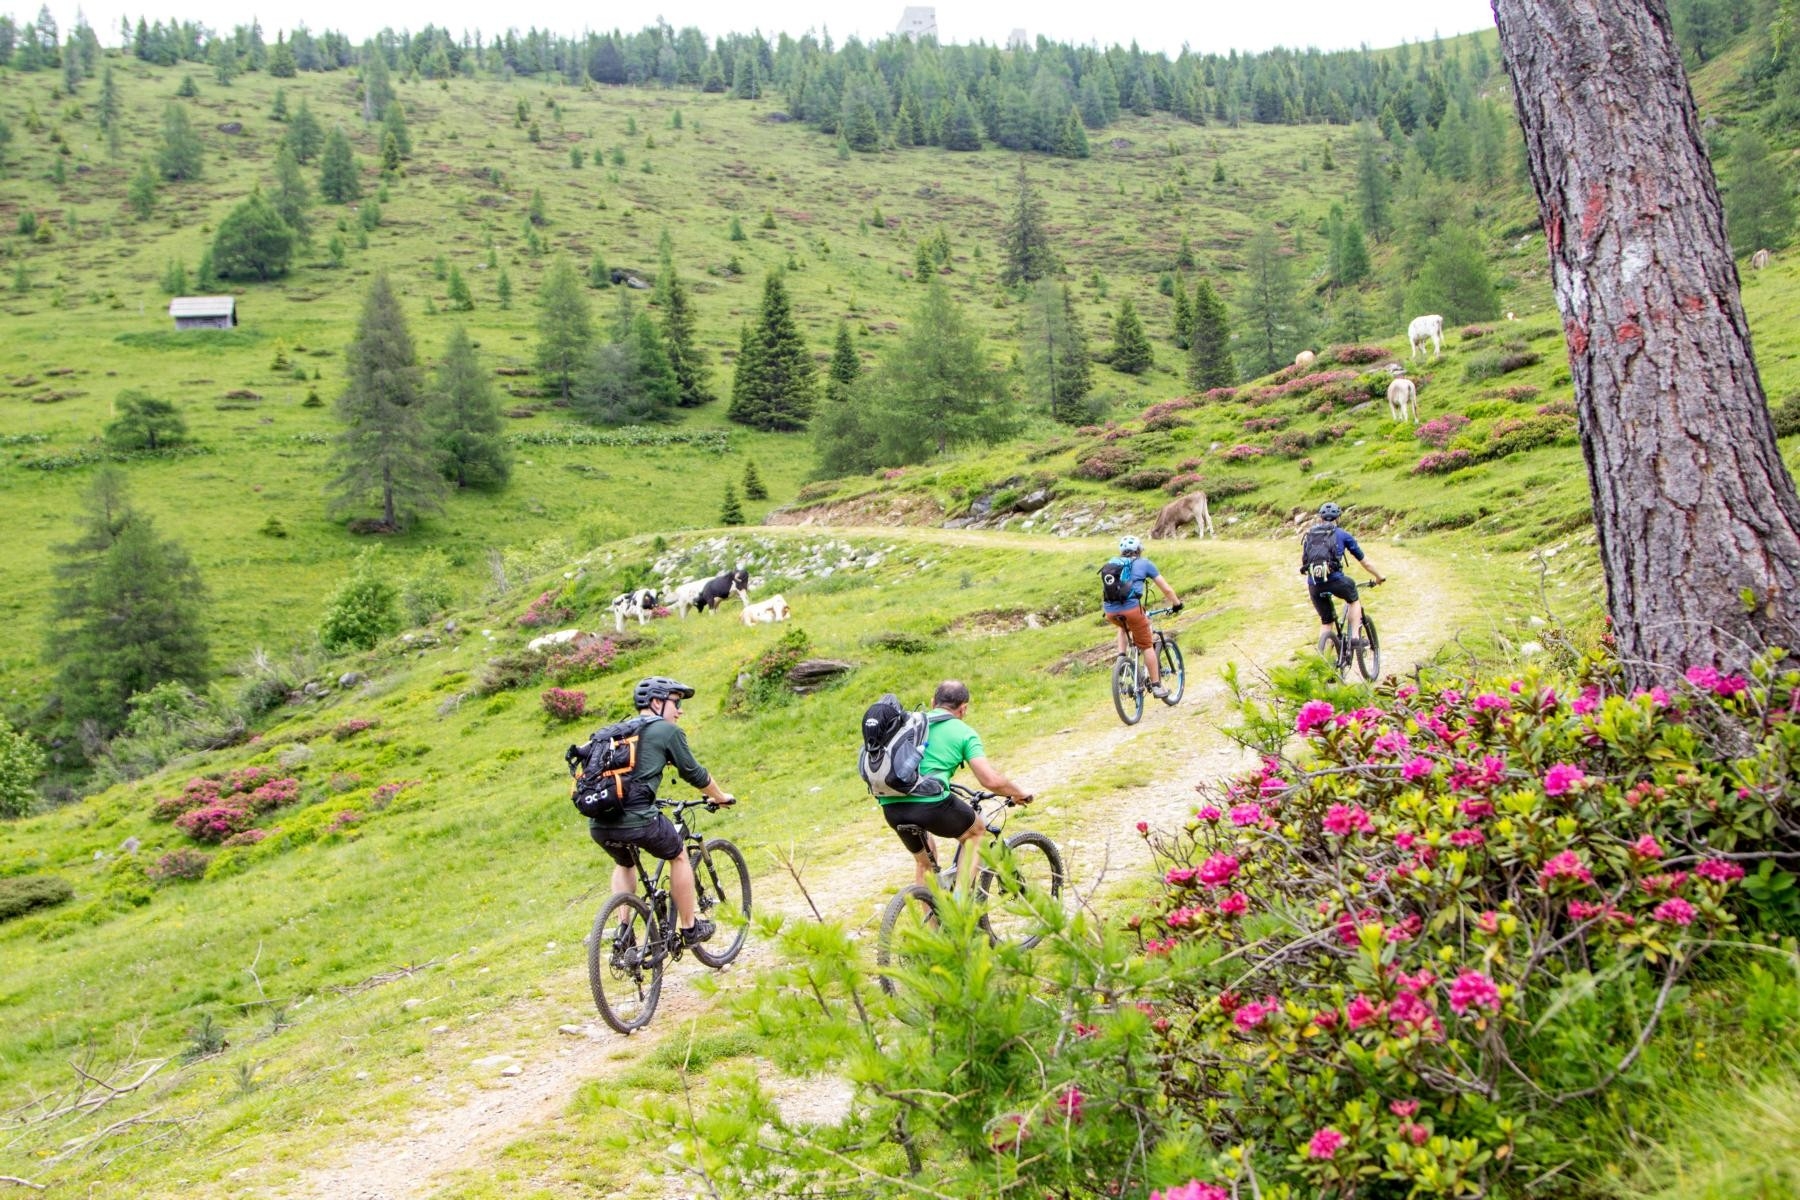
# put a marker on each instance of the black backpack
(1319, 552)
(1116, 581)
(602, 769)
(893, 749)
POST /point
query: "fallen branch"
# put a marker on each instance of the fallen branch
(375, 981)
(25, 1183)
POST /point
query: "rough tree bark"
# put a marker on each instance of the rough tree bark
(1698, 520)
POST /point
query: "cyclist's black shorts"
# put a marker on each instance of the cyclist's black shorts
(946, 818)
(659, 839)
(1336, 584)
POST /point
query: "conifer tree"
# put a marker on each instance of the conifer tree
(565, 327)
(683, 351)
(598, 275)
(1353, 255)
(754, 488)
(656, 377)
(1454, 280)
(845, 367)
(181, 156)
(843, 442)
(1027, 240)
(1184, 315)
(1372, 187)
(144, 422)
(461, 299)
(465, 419)
(736, 231)
(304, 137)
(252, 242)
(776, 381)
(1209, 355)
(339, 180)
(393, 124)
(962, 130)
(390, 156)
(278, 109)
(109, 111)
(1072, 141)
(1272, 321)
(140, 194)
(128, 614)
(935, 389)
(377, 88)
(1759, 203)
(731, 512)
(282, 64)
(1056, 353)
(385, 449)
(291, 196)
(1131, 352)
(503, 289)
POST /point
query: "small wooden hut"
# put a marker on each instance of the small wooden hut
(204, 312)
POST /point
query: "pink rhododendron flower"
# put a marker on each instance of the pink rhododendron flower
(1414, 1132)
(1404, 1109)
(1450, 696)
(1405, 840)
(1473, 989)
(1325, 1143)
(1143, 827)
(1476, 810)
(1255, 1013)
(1361, 1011)
(1184, 916)
(1193, 1189)
(1008, 1133)
(1392, 743)
(1234, 905)
(1085, 1031)
(1246, 814)
(1464, 838)
(1489, 702)
(1567, 865)
(1208, 812)
(1157, 947)
(1359, 716)
(1719, 870)
(1417, 767)
(1585, 910)
(1406, 691)
(1346, 819)
(1217, 870)
(1722, 686)
(1181, 876)
(1326, 1019)
(1407, 929)
(1587, 702)
(1071, 1102)
(1489, 921)
(1675, 911)
(1561, 777)
(1647, 847)
(1313, 714)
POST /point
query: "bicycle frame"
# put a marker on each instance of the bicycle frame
(993, 820)
(660, 896)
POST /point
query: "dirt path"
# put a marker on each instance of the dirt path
(1175, 747)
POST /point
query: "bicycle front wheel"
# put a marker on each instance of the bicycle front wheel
(625, 962)
(1174, 672)
(909, 914)
(723, 883)
(1368, 654)
(1127, 699)
(1331, 650)
(1031, 869)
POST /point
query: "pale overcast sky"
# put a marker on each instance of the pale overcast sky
(1155, 24)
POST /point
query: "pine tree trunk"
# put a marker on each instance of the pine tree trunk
(1699, 526)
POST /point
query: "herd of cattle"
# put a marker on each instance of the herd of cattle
(702, 595)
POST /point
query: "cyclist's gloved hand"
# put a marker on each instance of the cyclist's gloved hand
(1177, 607)
(1025, 799)
(724, 802)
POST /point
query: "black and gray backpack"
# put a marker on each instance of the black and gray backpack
(1116, 581)
(893, 747)
(1319, 555)
(602, 769)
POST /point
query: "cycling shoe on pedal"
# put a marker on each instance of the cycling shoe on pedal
(1160, 692)
(702, 930)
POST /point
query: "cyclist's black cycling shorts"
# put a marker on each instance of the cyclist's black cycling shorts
(946, 818)
(1336, 584)
(658, 839)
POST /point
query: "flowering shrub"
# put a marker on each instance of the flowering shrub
(1439, 430)
(350, 728)
(246, 789)
(1107, 462)
(1242, 451)
(1189, 464)
(247, 838)
(547, 609)
(1520, 392)
(1476, 331)
(273, 794)
(1215, 395)
(1357, 355)
(1557, 408)
(1263, 424)
(179, 864)
(581, 658)
(384, 795)
(1164, 422)
(214, 823)
(563, 705)
(1177, 484)
(1164, 408)
(1442, 462)
(1513, 434)
(1144, 479)
(892, 473)
(1292, 443)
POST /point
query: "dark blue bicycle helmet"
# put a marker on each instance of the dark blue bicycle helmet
(1329, 511)
(658, 687)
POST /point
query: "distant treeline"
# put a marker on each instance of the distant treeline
(896, 91)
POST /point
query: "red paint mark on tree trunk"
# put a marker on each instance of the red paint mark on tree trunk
(1628, 331)
(1693, 304)
(1553, 230)
(1591, 212)
(1577, 336)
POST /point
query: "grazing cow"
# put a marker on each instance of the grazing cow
(1426, 329)
(1178, 512)
(637, 604)
(1304, 359)
(725, 584)
(560, 637)
(1759, 260)
(1510, 317)
(687, 596)
(1403, 400)
(766, 612)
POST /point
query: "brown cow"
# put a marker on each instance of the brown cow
(1178, 512)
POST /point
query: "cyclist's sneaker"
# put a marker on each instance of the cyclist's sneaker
(1160, 692)
(702, 930)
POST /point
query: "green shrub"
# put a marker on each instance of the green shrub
(1492, 363)
(21, 762)
(899, 642)
(761, 683)
(1511, 435)
(363, 610)
(1786, 416)
(1144, 479)
(22, 894)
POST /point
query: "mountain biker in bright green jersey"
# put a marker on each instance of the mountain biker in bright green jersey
(642, 825)
(950, 744)
(1128, 614)
(1322, 551)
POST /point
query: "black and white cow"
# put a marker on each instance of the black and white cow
(637, 604)
(726, 584)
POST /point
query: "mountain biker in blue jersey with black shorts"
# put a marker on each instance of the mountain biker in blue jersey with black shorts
(1322, 550)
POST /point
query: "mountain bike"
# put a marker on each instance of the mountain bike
(1026, 865)
(636, 936)
(1334, 644)
(1129, 682)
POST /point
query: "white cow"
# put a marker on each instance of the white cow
(1425, 329)
(637, 604)
(1304, 358)
(559, 638)
(686, 596)
(766, 612)
(1759, 260)
(1403, 400)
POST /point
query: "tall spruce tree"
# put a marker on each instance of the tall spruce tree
(339, 180)
(465, 419)
(679, 340)
(843, 442)
(291, 196)
(181, 156)
(385, 449)
(565, 327)
(935, 389)
(304, 137)
(1372, 187)
(1027, 240)
(1209, 357)
(1269, 309)
(128, 613)
(377, 87)
(1759, 202)
(109, 111)
(393, 124)
(1056, 353)
(846, 365)
(1184, 315)
(775, 382)
(1131, 352)
(1454, 280)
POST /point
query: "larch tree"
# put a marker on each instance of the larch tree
(565, 327)
(304, 137)
(339, 180)
(181, 156)
(386, 449)
(1269, 306)
(935, 390)
(1697, 517)
(465, 419)
(291, 196)
(1056, 353)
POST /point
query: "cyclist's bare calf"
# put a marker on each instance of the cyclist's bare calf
(681, 885)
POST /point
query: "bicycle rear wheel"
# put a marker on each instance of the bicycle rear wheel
(908, 915)
(1031, 868)
(1368, 654)
(1127, 698)
(1174, 672)
(723, 883)
(625, 962)
(1332, 652)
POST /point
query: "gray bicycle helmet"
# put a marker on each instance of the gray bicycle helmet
(1329, 511)
(658, 687)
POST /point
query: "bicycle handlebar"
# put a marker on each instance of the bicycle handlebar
(681, 806)
(977, 797)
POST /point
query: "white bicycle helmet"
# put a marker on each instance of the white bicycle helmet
(1129, 544)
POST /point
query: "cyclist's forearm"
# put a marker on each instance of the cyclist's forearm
(996, 782)
(1370, 568)
(1167, 591)
(712, 791)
